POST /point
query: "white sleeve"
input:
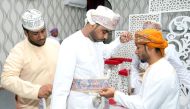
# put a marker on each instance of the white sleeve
(173, 58)
(109, 48)
(135, 78)
(153, 97)
(63, 76)
(131, 102)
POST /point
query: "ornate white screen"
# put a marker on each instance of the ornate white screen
(168, 5)
(179, 35)
(179, 29)
(124, 50)
(136, 20)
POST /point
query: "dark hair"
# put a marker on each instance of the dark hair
(25, 29)
(157, 50)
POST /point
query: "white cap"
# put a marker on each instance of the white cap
(103, 16)
(32, 20)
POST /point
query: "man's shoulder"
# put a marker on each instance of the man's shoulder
(162, 70)
(165, 65)
(18, 49)
(73, 38)
(53, 43)
(20, 45)
(164, 62)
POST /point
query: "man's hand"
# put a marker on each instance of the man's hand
(107, 92)
(45, 91)
(125, 37)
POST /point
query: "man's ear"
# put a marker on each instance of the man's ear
(94, 26)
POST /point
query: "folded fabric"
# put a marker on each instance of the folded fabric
(116, 61)
(122, 59)
(112, 101)
(124, 72)
(112, 62)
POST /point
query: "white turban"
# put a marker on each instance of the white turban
(32, 20)
(103, 16)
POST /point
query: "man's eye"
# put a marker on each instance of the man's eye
(104, 32)
(35, 33)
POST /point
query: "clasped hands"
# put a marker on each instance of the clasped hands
(125, 37)
(45, 91)
(107, 92)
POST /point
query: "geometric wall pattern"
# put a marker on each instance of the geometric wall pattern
(136, 21)
(127, 7)
(125, 50)
(168, 5)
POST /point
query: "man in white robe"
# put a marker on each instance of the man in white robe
(160, 85)
(80, 68)
(170, 55)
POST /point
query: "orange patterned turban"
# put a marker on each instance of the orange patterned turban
(152, 38)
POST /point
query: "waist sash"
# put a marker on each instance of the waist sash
(89, 85)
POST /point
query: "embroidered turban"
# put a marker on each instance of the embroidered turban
(32, 20)
(103, 16)
(152, 38)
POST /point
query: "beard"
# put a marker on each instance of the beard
(143, 61)
(144, 58)
(93, 37)
(37, 44)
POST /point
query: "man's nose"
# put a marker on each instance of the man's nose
(41, 35)
(136, 51)
(106, 36)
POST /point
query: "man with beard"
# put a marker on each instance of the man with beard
(160, 85)
(29, 69)
(170, 55)
(80, 67)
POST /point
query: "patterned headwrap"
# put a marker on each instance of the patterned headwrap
(103, 16)
(32, 20)
(152, 38)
